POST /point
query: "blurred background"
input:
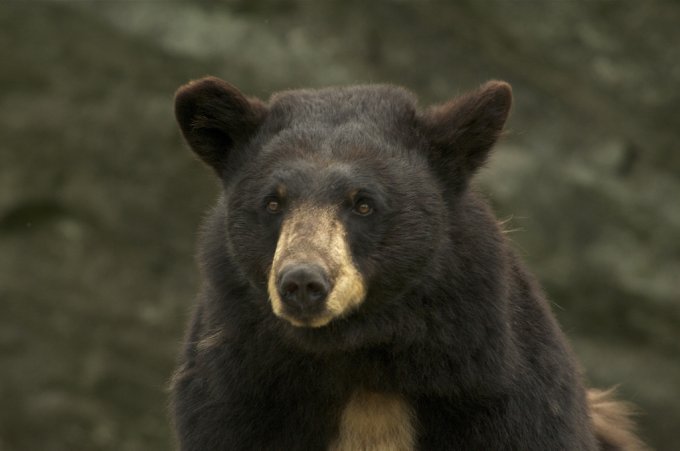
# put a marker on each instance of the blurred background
(100, 199)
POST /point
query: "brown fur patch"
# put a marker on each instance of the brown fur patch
(315, 235)
(376, 422)
(210, 340)
(612, 422)
(176, 377)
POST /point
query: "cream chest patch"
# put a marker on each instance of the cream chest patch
(376, 422)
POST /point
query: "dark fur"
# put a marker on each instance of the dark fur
(452, 321)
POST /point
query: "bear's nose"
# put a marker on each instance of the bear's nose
(303, 288)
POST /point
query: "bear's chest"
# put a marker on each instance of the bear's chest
(376, 421)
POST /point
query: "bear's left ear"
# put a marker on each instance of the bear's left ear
(462, 131)
(216, 119)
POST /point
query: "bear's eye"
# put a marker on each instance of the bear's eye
(363, 208)
(273, 206)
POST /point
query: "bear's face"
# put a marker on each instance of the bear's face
(335, 220)
(336, 199)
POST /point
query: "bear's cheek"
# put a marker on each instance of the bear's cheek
(399, 259)
(252, 245)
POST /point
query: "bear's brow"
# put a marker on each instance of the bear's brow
(337, 183)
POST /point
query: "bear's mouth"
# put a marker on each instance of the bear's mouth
(308, 321)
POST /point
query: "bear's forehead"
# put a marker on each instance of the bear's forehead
(382, 105)
(342, 122)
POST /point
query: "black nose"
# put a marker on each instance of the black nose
(303, 288)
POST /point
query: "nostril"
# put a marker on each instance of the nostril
(303, 286)
(316, 290)
(289, 289)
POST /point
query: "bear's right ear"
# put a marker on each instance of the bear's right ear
(215, 117)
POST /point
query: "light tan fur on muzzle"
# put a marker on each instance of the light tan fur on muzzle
(315, 235)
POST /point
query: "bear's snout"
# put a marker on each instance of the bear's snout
(303, 289)
(313, 279)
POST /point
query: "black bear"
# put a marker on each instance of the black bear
(358, 295)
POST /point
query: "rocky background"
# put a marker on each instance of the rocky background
(100, 199)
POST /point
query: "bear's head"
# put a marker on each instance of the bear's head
(337, 201)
